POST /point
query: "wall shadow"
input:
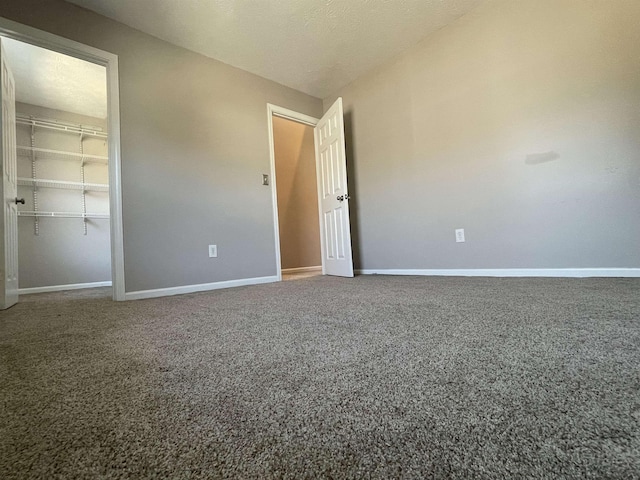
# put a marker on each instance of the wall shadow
(353, 189)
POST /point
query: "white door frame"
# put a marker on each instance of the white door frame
(108, 60)
(276, 111)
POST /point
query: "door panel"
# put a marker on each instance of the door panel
(331, 167)
(8, 187)
(328, 230)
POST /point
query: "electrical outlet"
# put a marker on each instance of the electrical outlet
(213, 251)
(460, 235)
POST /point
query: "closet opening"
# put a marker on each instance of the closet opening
(62, 155)
(295, 197)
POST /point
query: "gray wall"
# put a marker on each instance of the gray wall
(520, 122)
(298, 220)
(194, 147)
(61, 254)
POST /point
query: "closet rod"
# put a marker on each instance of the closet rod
(60, 126)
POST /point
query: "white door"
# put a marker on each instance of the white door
(333, 196)
(8, 188)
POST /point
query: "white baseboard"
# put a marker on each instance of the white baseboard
(203, 287)
(61, 288)
(302, 269)
(510, 272)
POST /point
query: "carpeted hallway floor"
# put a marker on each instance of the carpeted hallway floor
(371, 377)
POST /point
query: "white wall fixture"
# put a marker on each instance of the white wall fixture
(61, 132)
(61, 288)
(205, 287)
(460, 235)
(508, 272)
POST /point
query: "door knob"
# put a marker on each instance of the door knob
(340, 198)
(19, 200)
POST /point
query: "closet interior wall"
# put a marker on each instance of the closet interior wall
(63, 229)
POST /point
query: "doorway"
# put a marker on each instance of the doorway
(96, 148)
(62, 170)
(331, 187)
(294, 184)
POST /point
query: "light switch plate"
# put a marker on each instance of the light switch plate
(460, 235)
(265, 179)
(213, 251)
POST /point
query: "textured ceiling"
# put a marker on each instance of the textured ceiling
(53, 80)
(315, 46)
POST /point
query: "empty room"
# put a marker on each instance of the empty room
(452, 187)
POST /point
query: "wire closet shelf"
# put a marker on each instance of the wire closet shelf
(36, 154)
